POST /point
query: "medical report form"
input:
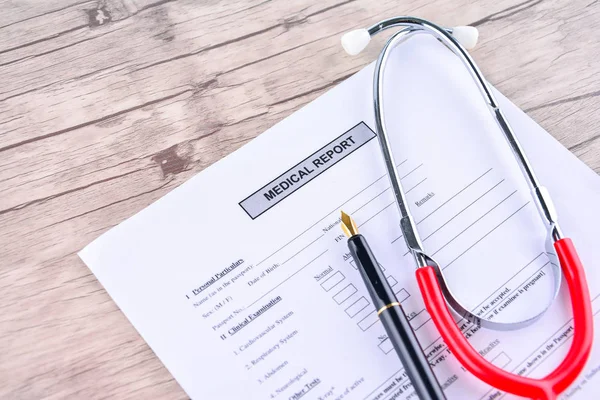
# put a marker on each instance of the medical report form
(241, 282)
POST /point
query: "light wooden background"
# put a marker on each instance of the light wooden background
(106, 106)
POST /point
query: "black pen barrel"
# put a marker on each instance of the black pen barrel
(411, 354)
(394, 320)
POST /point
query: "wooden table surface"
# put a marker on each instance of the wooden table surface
(105, 106)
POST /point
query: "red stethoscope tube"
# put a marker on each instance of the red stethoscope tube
(557, 381)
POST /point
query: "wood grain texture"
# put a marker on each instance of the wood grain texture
(105, 106)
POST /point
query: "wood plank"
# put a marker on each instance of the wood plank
(101, 120)
(575, 124)
(22, 12)
(225, 86)
(210, 55)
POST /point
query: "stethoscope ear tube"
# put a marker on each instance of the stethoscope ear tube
(553, 384)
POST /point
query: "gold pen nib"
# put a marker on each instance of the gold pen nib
(348, 225)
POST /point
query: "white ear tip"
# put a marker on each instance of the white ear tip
(355, 41)
(466, 35)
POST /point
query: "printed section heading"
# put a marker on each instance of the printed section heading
(306, 170)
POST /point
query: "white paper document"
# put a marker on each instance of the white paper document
(241, 281)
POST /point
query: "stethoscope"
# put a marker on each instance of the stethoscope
(436, 293)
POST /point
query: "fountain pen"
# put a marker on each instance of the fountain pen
(390, 312)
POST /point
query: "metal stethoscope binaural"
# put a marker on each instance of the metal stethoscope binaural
(436, 293)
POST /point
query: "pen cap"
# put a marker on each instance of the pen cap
(371, 272)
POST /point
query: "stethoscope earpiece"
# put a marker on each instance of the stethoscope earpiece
(466, 35)
(355, 41)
